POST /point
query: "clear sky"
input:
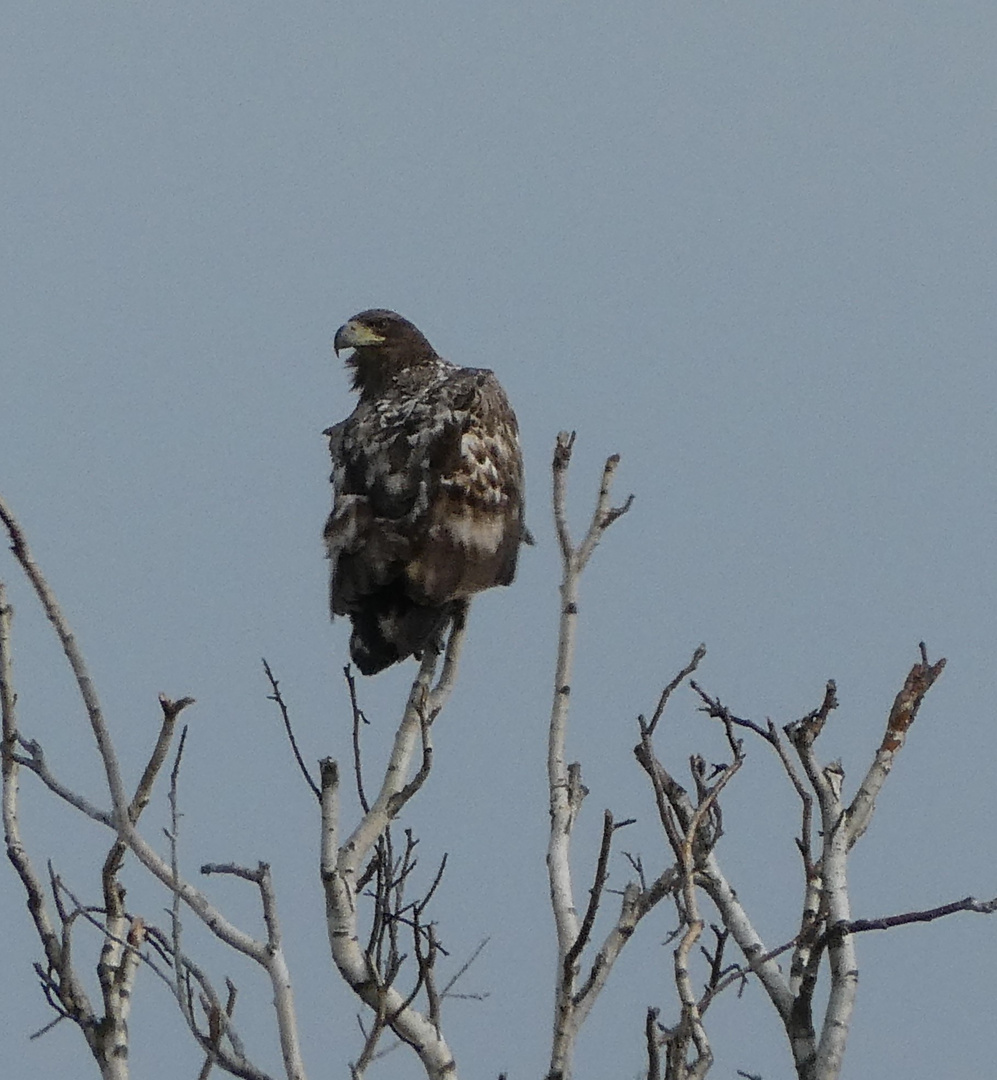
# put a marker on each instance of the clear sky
(750, 247)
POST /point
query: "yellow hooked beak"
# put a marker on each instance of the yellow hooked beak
(353, 335)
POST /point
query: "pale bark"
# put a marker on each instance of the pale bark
(341, 864)
(823, 947)
(107, 1035)
(567, 791)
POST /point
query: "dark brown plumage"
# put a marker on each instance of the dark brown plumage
(428, 490)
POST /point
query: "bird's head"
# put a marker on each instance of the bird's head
(383, 345)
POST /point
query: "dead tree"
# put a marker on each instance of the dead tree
(129, 939)
(363, 867)
(372, 973)
(381, 939)
(823, 942)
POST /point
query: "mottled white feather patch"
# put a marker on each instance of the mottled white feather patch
(428, 493)
(478, 533)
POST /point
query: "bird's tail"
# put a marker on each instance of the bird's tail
(390, 626)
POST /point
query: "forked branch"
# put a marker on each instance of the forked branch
(121, 944)
(372, 972)
(573, 1002)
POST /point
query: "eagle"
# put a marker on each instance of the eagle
(427, 477)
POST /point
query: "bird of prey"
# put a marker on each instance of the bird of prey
(427, 479)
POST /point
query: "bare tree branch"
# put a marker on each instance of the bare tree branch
(37, 763)
(16, 851)
(595, 895)
(567, 790)
(358, 720)
(919, 681)
(22, 553)
(887, 922)
(341, 874)
(676, 812)
(271, 960)
(277, 697)
(680, 678)
(396, 964)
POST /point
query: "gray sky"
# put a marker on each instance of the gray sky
(749, 247)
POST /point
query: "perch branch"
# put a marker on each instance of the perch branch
(370, 979)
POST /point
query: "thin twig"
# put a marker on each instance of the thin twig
(659, 709)
(358, 719)
(595, 895)
(285, 715)
(174, 842)
(19, 546)
(887, 922)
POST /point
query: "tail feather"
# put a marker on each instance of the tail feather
(389, 626)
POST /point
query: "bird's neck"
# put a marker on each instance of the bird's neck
(376, 370)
